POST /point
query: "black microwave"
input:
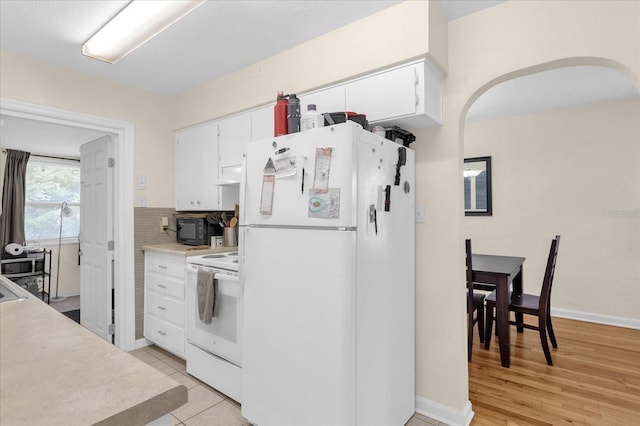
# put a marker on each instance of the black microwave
(194, 231)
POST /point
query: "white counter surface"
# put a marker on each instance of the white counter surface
(55, 372)
(184, 250)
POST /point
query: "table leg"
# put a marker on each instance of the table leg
(502, 318)
(517, 294)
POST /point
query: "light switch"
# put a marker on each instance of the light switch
(142, 201)
(420, 213)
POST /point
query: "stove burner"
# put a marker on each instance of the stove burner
(213, 256)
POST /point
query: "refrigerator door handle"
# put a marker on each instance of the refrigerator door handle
(243, 191)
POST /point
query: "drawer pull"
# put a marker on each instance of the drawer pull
(162, 286)
(162, 267)
(162, 308)
(162, 333)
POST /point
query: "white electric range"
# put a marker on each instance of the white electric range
(214, 351)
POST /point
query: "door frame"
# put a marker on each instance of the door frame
(124, 278)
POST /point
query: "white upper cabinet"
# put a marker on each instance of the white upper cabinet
(196, 168)
(384, 96)
(331, 99)
(233, 135)
(407, 96)
(262, 123)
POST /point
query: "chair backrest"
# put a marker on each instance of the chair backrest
(545, 293)
(467, 251)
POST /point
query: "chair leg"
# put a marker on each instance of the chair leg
(481, 320)
(543, 339)
(469, 336)
(552, 335)
(519, 322)
(488, 325)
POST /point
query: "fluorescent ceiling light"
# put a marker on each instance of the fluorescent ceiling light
(136, 24)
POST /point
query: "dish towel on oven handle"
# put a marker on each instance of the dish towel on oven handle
(207, 289)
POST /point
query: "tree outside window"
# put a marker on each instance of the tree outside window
(48, 184)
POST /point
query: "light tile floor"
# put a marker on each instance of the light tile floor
(207, 406)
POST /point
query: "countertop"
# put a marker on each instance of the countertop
(55, 372)
(184, 250)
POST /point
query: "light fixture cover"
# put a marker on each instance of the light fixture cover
(136, 24)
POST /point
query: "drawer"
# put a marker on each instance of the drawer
(165, 335)
(165, 285)
(169, 265)
(165, 308)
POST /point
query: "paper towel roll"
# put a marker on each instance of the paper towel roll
(14, 249)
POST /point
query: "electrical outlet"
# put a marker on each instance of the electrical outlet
(164, 224)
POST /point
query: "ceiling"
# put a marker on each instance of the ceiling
(223, 36)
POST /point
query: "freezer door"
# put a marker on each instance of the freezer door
(302, 179)
(299, 337)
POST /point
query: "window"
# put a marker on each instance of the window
(49, 183)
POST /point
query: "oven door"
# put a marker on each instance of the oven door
(223, 337)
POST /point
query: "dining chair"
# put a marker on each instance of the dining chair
(475, 304)
(539, 306)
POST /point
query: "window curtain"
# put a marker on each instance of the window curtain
(13, 196)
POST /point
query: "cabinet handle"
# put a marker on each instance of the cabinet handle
(162, 333)
(162, 286)
(162, 308)
(162, 267)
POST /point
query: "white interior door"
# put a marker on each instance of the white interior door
(96, 235)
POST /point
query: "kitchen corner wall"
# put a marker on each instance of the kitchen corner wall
(147, 227)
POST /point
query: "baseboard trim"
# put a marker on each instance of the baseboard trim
(141, 343)
(596, 318)
(444, 413)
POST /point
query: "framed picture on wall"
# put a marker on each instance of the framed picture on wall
(477, 186)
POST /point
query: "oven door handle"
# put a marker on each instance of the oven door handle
(232, 289)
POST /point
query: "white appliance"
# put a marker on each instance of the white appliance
(214, 351)
(327, 261)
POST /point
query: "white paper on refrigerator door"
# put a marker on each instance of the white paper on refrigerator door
(268, 187)
(322, 169)
(325, 205)
(285, 163)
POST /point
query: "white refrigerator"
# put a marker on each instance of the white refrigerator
(327, 258)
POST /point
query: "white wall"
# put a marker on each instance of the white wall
(572, 172)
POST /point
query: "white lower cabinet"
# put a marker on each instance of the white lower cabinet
(164, 308)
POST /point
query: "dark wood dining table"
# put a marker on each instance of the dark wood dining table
(503, 271)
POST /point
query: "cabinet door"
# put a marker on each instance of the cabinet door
(209, 191)
(233, 135)
(262, 123)
(187, 164)
(384, 96)
(196, 168)
(327, 100)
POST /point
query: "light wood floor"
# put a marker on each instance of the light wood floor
(595, 379)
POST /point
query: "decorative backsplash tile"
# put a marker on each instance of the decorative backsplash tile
(147, 225)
